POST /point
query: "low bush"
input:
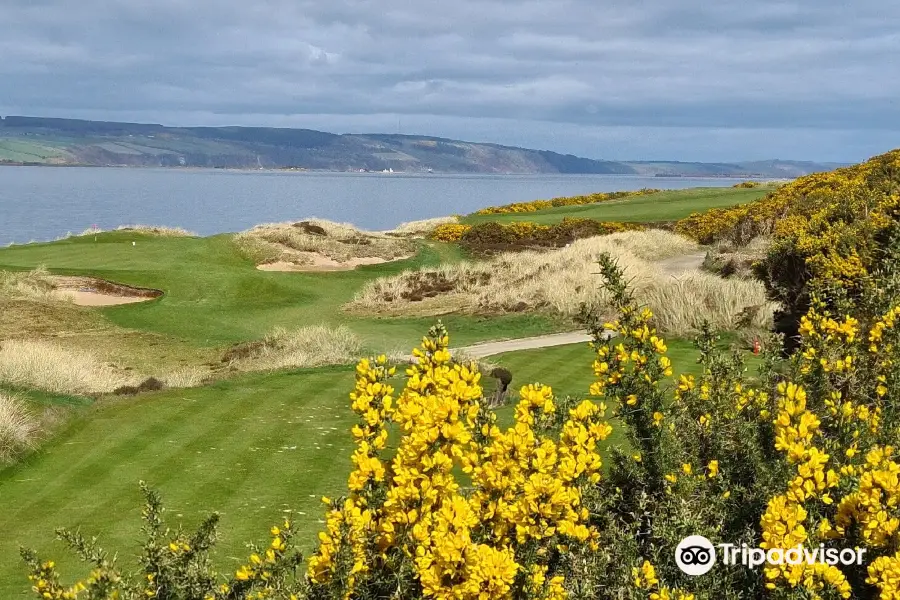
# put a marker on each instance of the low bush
(449, 232)
(489, 238)
(536, 205)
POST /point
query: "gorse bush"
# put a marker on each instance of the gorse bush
(830, 232)
(492, 237)
(464, 509)
(536, 205)
(520, 235)
(449, 232)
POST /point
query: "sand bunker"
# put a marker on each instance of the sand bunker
(88, 291)
(312, 261)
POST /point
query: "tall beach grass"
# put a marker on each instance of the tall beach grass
(561, 281)
(342, 242)
(43, 365)
(19, 427)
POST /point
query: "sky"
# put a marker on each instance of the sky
(616, 79)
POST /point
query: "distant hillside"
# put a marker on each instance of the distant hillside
(49, 141)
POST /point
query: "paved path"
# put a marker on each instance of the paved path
(541, 341)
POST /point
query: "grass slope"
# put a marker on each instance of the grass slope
(250, 448)
(663, 206)
(215, 297)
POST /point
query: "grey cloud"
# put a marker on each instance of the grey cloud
(568, 64)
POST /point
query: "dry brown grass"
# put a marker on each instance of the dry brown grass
(186, 377)
(19, 428)
(310, 346)
(729, 260)
(560, 281)
(342, 242)
(47, 366)
(27, 285)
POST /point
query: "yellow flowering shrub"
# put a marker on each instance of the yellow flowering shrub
(536, 205)
(449, 232)
(519, 235)
(463, 509)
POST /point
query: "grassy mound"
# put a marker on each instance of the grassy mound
(561, 281)
(298, 242)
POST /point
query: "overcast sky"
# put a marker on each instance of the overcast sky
(631, 79)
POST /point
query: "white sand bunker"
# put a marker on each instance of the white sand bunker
(89, 291)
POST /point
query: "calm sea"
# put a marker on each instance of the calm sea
(40, 203)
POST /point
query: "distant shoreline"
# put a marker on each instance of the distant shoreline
(381, 173)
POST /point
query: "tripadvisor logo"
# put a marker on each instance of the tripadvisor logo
(696, 555)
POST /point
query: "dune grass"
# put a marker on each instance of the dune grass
(29, 285)
(46, 366)
(19, 427)
(310, 346)
(294, 242)
(668, 205)
(561, 281)
(252, 448)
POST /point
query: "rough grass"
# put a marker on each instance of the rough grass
(729, 260)
(342, 242)
(310, 346)
(19, 428)
(27, 285)
(561, 281)
(47, 366)
(186, 377)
